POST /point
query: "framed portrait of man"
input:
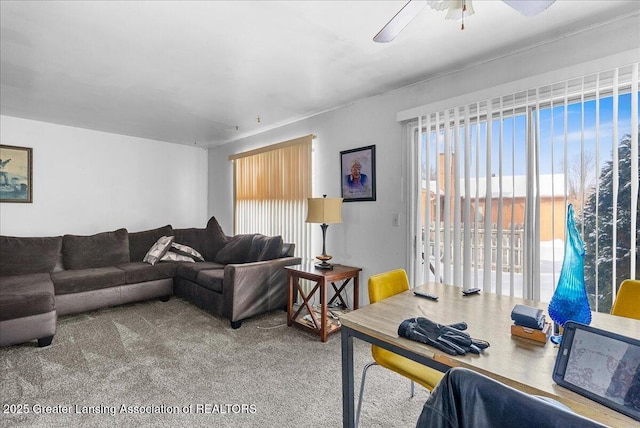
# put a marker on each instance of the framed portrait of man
(358, 174)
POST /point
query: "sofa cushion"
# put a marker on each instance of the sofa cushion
(218, 239)
(190, 270)
(236, 250)
(288, 249)
(26, 295)
(265, 248)
(20, 256)
(140, 242)
(206, 241)
(158, 250)
(211, 279)
(136, 272)
(272, 249)
(75, 281)
(96, 251)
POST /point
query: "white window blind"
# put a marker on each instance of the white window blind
(271, 187)
(493, 179)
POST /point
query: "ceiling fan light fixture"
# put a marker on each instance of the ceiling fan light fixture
(456, 9)
(529, 7)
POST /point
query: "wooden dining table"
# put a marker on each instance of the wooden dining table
(520, 363)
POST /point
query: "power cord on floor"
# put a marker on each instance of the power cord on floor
(271, 327)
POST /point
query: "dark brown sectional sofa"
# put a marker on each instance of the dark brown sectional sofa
(42, 278)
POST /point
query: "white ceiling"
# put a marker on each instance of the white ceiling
(191, 72)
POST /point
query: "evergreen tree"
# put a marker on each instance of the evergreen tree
(602, 262)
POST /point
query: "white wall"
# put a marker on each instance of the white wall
(86, 182)
(367, 238)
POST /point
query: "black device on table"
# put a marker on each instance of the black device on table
(600, 365)
(425, 295)
(529, 317)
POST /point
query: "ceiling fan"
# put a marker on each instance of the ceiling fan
(455, 9)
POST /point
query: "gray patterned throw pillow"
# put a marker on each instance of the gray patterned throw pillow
(186, 250)
(158, 250)
(170, 256)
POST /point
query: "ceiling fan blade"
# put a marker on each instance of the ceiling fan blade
(399, 21)
(529, 7)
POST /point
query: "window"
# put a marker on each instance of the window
(271, 187)
(494, 179)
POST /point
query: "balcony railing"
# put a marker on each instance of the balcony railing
(512, 241)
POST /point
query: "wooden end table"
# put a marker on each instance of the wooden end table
(306, 316)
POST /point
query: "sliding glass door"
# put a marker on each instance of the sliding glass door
(492, 181)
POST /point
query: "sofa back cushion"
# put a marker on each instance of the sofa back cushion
(288, 249)
(236, 250)
(94, 251)
(206, 241)
(272, 248)
(265, 248)
(141, 242)
(250, 248)
(19, 256)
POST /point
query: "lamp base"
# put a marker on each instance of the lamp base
(324, 262)
(324, 265)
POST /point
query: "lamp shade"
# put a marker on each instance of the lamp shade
(324, 210)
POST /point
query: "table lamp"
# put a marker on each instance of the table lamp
(324, 211)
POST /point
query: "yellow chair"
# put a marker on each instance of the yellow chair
(627, 302)
(381, 286)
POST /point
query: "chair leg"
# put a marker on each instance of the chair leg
(413, 389)
(364, 375)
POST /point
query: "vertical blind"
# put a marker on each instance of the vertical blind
(493, 180)
(271, 187)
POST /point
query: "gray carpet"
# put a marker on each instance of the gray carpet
(190, 368)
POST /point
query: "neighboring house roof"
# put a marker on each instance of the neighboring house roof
(516, 186)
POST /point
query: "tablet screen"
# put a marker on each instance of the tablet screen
(602, 366)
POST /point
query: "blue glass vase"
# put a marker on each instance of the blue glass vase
(570, 301)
